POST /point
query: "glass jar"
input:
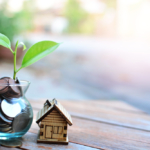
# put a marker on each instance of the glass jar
(16, 113)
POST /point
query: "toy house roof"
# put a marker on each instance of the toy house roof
(47, 109)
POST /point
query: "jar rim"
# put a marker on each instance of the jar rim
(22, 83)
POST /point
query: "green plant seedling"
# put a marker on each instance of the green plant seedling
(34, 53)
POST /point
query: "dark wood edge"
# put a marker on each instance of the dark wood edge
(52, 142)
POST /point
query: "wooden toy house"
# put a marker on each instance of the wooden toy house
(53, 120)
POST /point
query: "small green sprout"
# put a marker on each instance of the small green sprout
(34, 53)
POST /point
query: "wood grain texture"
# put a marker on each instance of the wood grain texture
(30, 142)
(57, 136)
(112, 112)
(99, 126)
(6, 148)
(105, 136)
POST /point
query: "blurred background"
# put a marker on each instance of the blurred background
(105, 52)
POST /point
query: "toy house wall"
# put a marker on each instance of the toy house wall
(53, 127)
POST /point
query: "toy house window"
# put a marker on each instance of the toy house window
(58, 130)
(65, 135)
(65, 127)
(55, 129)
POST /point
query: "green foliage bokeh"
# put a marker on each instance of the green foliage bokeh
(79, 20)
(11, 24)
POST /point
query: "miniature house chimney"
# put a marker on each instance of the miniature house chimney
(47, 103)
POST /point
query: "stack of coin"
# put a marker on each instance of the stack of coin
(3, 86)
(9, 108)
(12, 91)
(7, 114)
(5, 124)
(14, 113)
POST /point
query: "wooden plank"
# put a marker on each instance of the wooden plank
(105, 136)
(98, 111)
(29, 142)
(58, 119)
(51, 124)
(6, 148)
(50, 116)
(54, 116)
(108, 136)
(57, 136)
(54, 113)
(53, 121)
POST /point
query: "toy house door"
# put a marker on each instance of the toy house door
(49, 132)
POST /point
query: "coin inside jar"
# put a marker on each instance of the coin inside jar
(6, 78)
(1, 99)
(3, 124)
(11, 143)
(10, 131)
(20, 122)
(5, 129)
(5, 119)
(3, 86)
(14, 88)
(10, 110)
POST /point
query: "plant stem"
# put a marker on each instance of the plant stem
(14, 76)
(11, 50)
(15, 55)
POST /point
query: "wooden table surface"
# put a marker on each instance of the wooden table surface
(105, 125)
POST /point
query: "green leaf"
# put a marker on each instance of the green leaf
(4, 41)
(38, 51)
(24, 47)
